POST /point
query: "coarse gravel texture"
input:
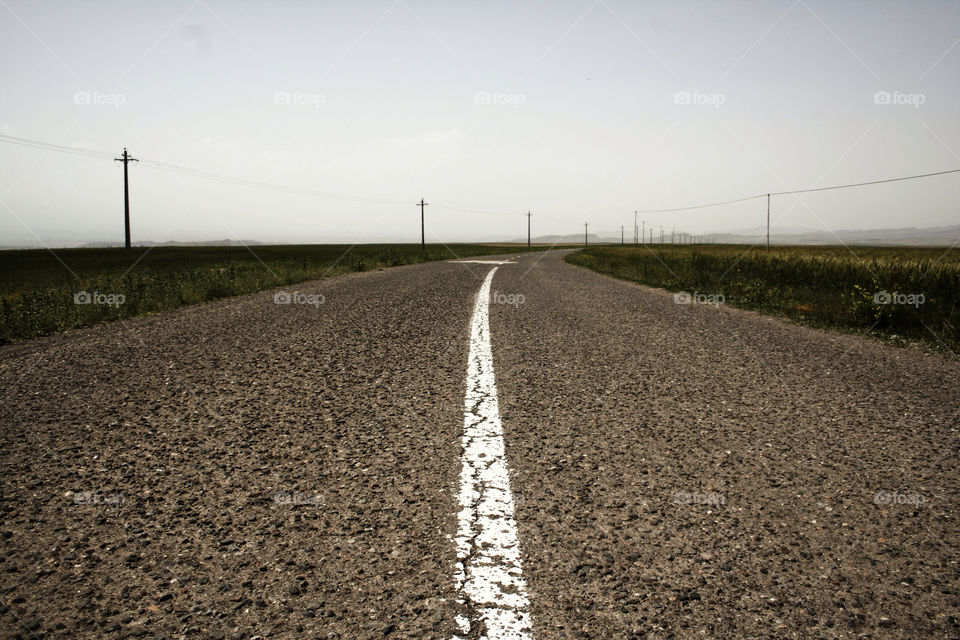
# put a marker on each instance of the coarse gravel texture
(285, 470)
(290, 471)
(702, 471)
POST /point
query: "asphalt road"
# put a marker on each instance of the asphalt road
(245, 468)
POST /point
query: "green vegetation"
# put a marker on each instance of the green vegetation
(38, 286)
(823, 286)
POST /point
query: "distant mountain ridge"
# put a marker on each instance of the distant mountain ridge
(177, 243)
(943, 236)
(905, 236)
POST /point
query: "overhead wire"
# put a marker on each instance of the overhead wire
(247, 182)
(796, 191)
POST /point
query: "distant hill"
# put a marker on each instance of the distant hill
(907, 236)
(572, 238)
(177, 243)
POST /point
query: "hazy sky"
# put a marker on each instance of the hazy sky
(577, 111)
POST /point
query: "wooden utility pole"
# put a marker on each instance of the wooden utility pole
(528, 229)
(126, 195)
(423, 236)
(586, 242)
(768, 222)
(621, 235)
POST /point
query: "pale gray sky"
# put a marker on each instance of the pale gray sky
(574, 110)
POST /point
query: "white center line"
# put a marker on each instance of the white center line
(481, 261)
(489, 576)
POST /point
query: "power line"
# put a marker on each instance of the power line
(784, 193)
(220, 177)
(479, 211)
(247, 182)
(700, 206)
(863, 184)
(197, 173)
(257, 184)
(25, 142)
(244, 182)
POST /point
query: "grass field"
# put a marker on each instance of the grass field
(910, 294)
(38, 287)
